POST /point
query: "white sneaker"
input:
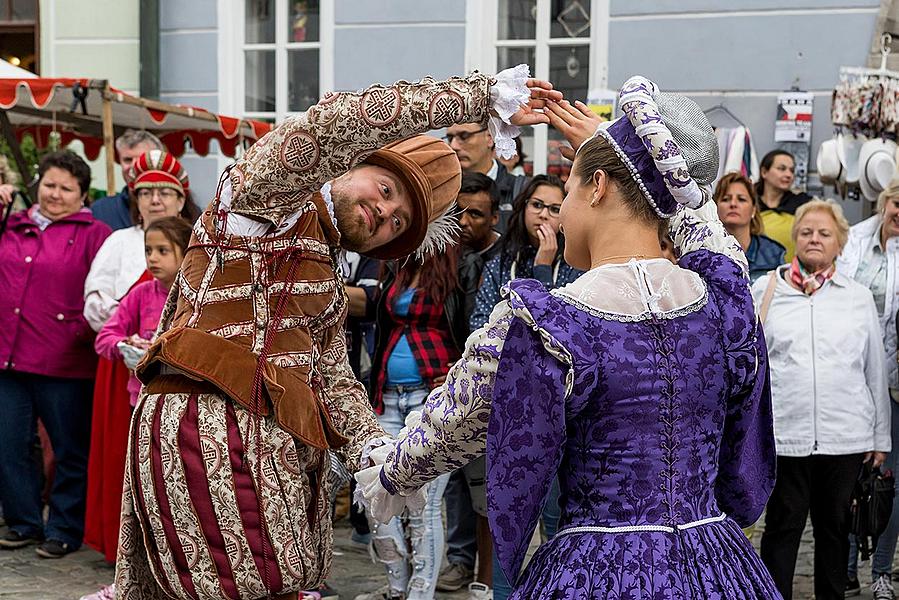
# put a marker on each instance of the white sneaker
(107, 592)
(479, 591)
(882, 588)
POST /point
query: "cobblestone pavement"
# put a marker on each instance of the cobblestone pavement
(25, 576)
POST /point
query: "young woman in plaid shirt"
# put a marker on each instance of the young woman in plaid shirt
(416, 344)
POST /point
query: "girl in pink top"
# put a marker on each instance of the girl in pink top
(128, 332)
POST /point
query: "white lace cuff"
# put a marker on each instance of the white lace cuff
(374, 491)
(701, 229)
(379, 442)
(507, 94)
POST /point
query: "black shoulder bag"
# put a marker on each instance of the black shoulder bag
(870, 507)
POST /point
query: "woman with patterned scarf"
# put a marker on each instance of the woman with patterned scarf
(829, 394)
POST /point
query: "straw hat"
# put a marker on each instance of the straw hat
(877, 164)
(849, 146)
(830, 169)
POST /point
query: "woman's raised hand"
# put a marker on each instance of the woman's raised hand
(574, 121)
(542, 94)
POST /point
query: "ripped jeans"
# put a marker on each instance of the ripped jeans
(414, 575)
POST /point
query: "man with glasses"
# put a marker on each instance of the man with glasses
(473, 145)
(115, 211)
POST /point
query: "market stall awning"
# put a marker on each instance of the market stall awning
(74, 109)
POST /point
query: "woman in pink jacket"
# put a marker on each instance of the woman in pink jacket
(47, 360)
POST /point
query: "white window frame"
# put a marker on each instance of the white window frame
(231, 48)
(481, 45)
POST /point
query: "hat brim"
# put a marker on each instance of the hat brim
(156, 179)
(868, 155)
(828, 162)
(418, 188)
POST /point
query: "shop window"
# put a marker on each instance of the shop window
(19, 33)
(554, 37)
(283, 56)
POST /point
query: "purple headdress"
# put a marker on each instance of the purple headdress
(667, 143)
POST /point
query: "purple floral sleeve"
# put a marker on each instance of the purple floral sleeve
(747, 458)
(525, 441)
(452, 429)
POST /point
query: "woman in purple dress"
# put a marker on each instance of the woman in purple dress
(643, 384)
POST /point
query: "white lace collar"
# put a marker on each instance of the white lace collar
(637, 290)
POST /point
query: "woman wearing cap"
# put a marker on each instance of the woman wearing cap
(829, 392)
(738, 210)
(642, 384)
(777, 198)
(871, 257)
(160, 188)
(46, 355)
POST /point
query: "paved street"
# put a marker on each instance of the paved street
(24, 576)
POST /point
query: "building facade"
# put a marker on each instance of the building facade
(270, 59)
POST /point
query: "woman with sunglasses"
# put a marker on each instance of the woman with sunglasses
(532, 248)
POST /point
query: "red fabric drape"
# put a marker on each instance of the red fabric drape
(106, 465)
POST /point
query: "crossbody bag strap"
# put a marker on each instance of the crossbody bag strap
(769, 295)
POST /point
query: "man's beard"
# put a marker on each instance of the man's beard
(351, 225)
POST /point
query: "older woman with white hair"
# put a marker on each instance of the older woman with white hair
(829, 393)
(871, 257)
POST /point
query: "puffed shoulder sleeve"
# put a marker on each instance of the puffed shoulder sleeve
(701, 229)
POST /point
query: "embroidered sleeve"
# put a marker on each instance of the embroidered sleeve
(452, 429)
(347, 404)
(304, 152)
(701, 229)
(747, 457)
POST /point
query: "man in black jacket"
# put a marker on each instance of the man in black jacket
(466, 523)
(473, 145)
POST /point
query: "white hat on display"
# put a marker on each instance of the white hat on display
(877, 164)
(849, 147)
(830, 169)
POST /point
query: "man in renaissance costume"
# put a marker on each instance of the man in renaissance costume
(248, 387)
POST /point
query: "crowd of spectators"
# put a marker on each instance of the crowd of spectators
(85, 286)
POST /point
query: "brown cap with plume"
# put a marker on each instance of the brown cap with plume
(431, 174)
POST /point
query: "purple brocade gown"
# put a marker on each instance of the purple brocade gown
(661, 435)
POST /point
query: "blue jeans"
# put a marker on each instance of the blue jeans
(502, 589)
(64, 407)
(415, 576)
(882, 561)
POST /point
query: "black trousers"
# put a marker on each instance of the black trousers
(357, 514)
(821, 485)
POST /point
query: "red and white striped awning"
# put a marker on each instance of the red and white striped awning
(74, 109)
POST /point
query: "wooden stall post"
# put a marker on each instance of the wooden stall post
(108, 141)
